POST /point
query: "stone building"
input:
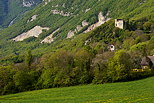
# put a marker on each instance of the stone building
(119, 23)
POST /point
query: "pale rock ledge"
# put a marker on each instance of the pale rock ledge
(34, 17)
(34, 32)
(50, 38)
(78, 29)
(28, 3)
(62, 13)
(101, 20)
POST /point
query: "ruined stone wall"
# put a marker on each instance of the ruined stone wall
(119, 23)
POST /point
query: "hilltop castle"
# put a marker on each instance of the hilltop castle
(120, 23)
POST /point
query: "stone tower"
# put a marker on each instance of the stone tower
(119, 23)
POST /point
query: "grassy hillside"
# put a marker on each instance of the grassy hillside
(141, 91)
(133, 10)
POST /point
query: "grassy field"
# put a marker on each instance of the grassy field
(141, 91)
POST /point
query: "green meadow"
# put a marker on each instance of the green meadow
(141, 91)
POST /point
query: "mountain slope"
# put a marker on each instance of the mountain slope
(65, 16)
(12, 9)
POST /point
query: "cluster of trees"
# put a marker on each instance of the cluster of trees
(65, 68)
(142, 24)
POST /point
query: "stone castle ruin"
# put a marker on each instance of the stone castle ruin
(120, 23)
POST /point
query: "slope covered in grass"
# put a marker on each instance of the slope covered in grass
(141, 91)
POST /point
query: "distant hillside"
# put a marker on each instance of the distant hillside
(10, 10)
(141, 91)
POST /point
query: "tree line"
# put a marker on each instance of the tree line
(65, 68)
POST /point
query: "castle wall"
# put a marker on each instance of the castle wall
(119, 23)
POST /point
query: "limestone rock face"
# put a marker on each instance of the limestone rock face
(84, 23)
(50, 38)
(70, 34)
(34, 32)
(28, 3)
(87, 10)
(78, 29)
(34, 17)
(62, 13)
(101, 20)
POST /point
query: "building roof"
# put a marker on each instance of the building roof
(145, 60)
(119, 19)
(151, 58)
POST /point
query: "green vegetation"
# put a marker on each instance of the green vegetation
(30, 65)
(141, 91)
(116, 9)
(73, 63)
(12, 10)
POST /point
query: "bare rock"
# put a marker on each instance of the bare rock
(50, 38)
(34, 32)
(87, 10)
(85, 23)
(62, 13)
(70, 34)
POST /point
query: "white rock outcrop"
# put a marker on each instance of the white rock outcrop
(63, 5)
(62, 13)
(85, 23)
(101, 20)
(87, 10)
(28, 3)
(34, 17)
(70, 34)
(50, 38)
(78, 28)
(34, 32)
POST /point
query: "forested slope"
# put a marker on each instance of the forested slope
(11, 10)
(77, 11)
